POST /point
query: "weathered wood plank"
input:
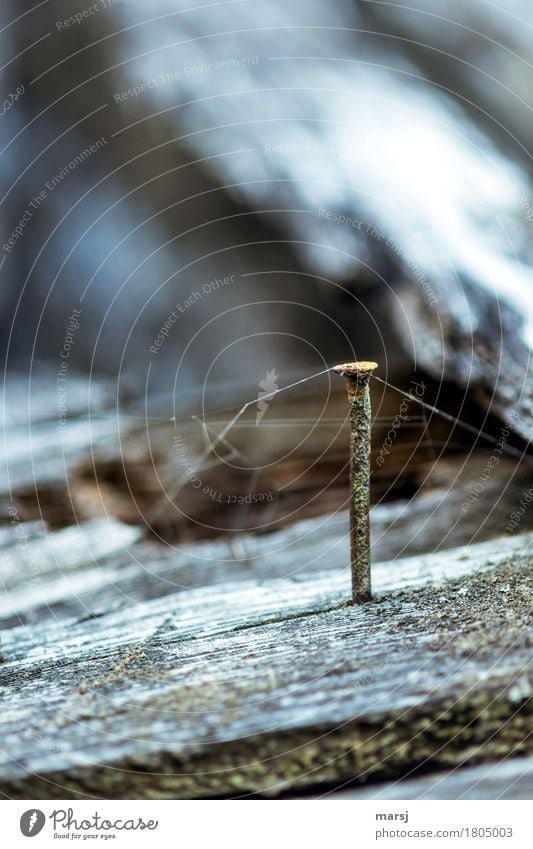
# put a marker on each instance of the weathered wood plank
(347, 142)
(116, 463)
(39, 454)
(226, 606)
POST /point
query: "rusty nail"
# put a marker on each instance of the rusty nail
(357, 376)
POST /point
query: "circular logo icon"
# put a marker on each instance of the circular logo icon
(32, 822)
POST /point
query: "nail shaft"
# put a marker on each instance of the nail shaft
(357, 377)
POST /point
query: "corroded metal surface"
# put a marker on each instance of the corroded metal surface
(357, 377)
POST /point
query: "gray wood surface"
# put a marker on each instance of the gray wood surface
(508, 779)
(235, 666)
(248, 684)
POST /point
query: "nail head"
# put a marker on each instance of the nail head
(352, 369)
